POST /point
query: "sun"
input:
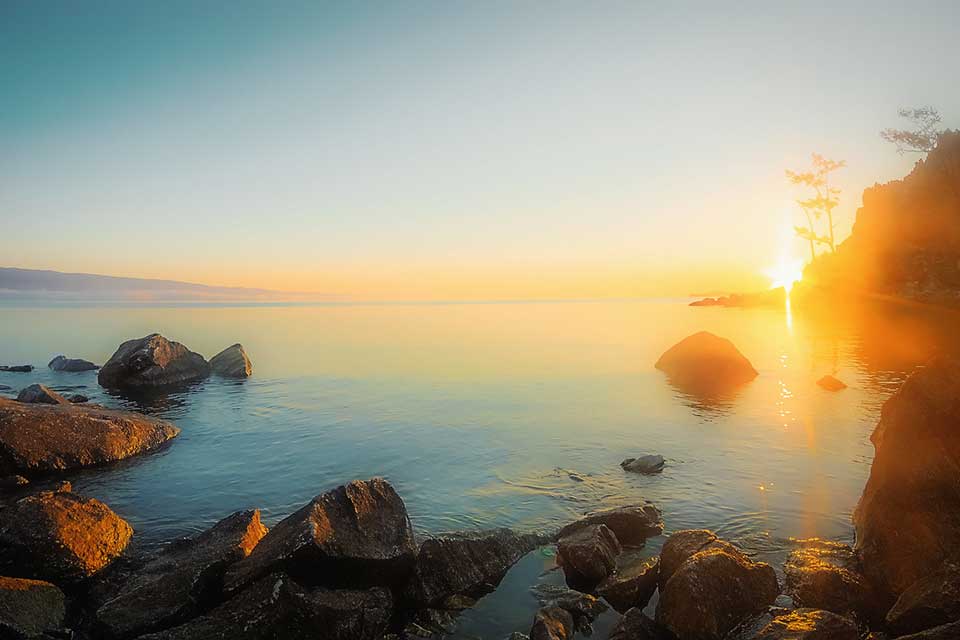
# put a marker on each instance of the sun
(785, 273)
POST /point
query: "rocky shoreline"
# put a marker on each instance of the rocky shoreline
(348, 563)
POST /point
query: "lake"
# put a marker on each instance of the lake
(498, 414)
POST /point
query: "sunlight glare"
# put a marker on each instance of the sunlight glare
(785, 273)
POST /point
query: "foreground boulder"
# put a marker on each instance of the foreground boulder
(276, 606)
(71, 365)
(39, 394)
(908, 518)
(635, 625)
(650, 463)
(181, 581)
(944, 632)
(152, 361)
(632, 524)
(809, 624)
(40, 438)
(633, 582)
(232, 362)
(683, 545)
(831, 384)
(552, 623)
(358, 534)
(714, 591)
(469, 564)
(588, 555)
(706, 362)
(29, 607)
(826, 575)
(929, 602)
(60, 537)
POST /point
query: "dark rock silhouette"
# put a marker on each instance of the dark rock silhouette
(931, 601)
(62, 363)
(152, 361)
(636, 625)
(28, 608)
(39, 394)
(17, 368)
(704, 363)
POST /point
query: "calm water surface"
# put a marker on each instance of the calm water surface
(495, 415)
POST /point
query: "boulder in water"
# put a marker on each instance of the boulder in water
(908, 518)
(28, 608)
(17, 368)
(232, 362)
(706, 362)
(39, 394)
(60, 536)
(71, 365)
(41, 438)
(650, 463)
(152, 361)
(831, 384)
(588, 555)
(356, 535)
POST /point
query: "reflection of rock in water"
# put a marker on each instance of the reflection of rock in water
(706, 402)
(162, 400)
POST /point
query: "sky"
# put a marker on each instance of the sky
(448, 150)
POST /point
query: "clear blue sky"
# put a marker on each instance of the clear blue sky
(431, 148)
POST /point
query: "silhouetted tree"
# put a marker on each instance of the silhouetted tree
(923, 134)
(823, 202)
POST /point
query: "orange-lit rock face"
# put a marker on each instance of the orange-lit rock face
(908, 518)
(809, 624)
(825, 575)
(60, 536)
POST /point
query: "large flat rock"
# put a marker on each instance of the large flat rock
(42, 438)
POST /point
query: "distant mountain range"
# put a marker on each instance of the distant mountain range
(39, 283)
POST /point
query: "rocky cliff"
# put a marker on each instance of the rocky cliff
(906, 238)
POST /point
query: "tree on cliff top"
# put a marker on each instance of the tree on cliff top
(825, 199)
(924, 132)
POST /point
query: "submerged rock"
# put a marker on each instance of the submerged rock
(276, 606)
(651, 463)
(809, 624)
(152, 361)
(929, 602)
(181, 581)
(358, 534)
(714, 591)
(232, 362)
(826, 575)
(588, 555)
(831, 384)
(29, 607)
(60, 536)
(465, 563)
(908, 518)
(62, 363)
(705, 361)
(552, 623)
(632, 525)
(77, 398)
(633, 582)
(40, 438)
(17, 368)
(39, 394)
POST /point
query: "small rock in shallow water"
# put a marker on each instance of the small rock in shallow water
(18, 368)
(552, 623)
(831, 384)
(651, 463)
(71, 365)
(28, 608)
(232, 362)
(77, 398)
(39, 394)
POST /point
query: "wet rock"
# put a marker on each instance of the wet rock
(183, 580)
(931, 601)
(62, 363)
(232, 362)
(29, 607)
(632, 524)
(908, 518)
(11, 482)
(588, 555)
(831, 384)
(580, 605)
(714, 591)
(59, 537)
(944, 632)
(40, 438)
(809, 624)
(355, 535)
(682, 545)
(39, 394)
(152, 361)
(77, 398)
(431, 623)
(651, 463)
(17, 368)
(552, 623)
(636, 625)
(632, 584)
(465, 563)
(821, 574)
(706, 361)
(277, 607)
